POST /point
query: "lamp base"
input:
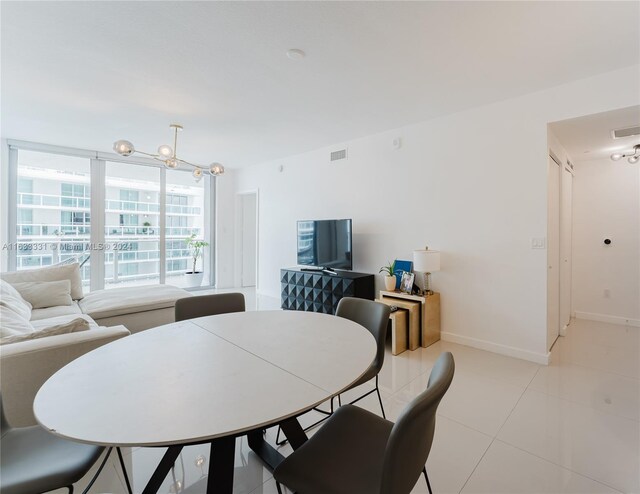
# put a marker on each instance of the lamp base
(427, 285)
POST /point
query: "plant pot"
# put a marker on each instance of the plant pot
(390, 283)
(193, 279)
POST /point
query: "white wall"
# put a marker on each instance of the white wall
(606, 204)
(225, 225)
(472, 185)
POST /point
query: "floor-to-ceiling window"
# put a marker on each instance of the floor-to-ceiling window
(132, 224)
(185, 216)
(53, 222)
(146, 212)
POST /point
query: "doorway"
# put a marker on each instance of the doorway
(595, 209)
(248, 238)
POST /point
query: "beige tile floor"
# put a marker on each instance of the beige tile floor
(505, 426)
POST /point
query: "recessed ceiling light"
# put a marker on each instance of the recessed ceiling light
(295, 54)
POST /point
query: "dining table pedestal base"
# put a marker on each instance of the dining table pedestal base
(222, 456)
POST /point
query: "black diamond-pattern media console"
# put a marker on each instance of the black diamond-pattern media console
(314, 291)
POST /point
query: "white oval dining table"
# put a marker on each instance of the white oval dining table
(209, 379)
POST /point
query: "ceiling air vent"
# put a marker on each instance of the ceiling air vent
(338, 155)
(628, 132)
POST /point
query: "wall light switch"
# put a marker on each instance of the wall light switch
(539, 243)
(397, 143)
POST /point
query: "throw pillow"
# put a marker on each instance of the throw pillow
(74, 326)
(9, 297)
(43, 294)
(69, 272)
(12, 324)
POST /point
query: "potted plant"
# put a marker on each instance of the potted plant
(146, 226)
(196, 247)
(390, 278)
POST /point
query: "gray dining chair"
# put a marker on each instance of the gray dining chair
(375, 317)
(358, 452)
(208, 305)
(34, 461)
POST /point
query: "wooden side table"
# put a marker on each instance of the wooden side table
(430, 314)
(414, 317)
(399, 331)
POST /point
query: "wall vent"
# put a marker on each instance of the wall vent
(628, 132)
(341, 154)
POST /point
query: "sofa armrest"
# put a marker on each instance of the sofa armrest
(26, 365)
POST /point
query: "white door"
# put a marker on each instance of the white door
(249, 238)
(565, 248)
(553, 253)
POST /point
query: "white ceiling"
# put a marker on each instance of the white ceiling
(84, 74)
(589, 137)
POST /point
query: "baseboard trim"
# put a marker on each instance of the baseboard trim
(509, 351)
(590, 316)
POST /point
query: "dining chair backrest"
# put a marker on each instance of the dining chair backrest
(208, 305)
(372, 315)
(412, 434)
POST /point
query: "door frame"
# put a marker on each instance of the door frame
(553, 263)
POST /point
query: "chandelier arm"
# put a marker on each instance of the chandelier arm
(155, 156)
(175, 143)
(190, 164)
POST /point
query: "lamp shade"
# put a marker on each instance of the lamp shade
(426, 261)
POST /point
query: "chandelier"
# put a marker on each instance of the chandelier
(633, 158)
(168, 156)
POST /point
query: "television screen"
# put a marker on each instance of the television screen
(325, 243)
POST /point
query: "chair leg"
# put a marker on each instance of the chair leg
(70, 489)
(124, 471)
(426, 477)
(106, 457)
(278, 486)
(376, 389)
(384, 416)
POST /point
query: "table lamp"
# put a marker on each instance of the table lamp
(426, 261)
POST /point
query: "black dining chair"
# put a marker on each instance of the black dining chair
(358, 452)
(34, 461)
(375, 317)
(208, 305)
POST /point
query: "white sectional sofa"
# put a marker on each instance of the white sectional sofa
(81, 324)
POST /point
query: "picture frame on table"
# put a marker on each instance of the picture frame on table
(406, 283)
(400, 266)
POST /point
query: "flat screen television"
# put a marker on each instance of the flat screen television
(325, 244)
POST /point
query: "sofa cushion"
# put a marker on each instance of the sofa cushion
(73, 326)
(11, 298)
(129, 300)
(69, 272)
(11, 323)
(55, 321)
(43, 294)
(60, 310)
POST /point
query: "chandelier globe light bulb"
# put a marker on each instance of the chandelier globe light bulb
(165, 151)
(216, 169)
(197, 173)
(634, 159)
(616, 156)
(123, 147)
(171, 163)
